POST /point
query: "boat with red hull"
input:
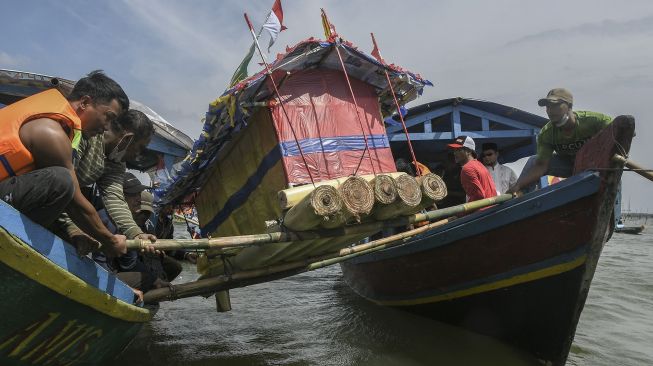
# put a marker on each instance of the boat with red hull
(519, 271)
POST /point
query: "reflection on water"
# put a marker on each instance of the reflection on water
(315, 319)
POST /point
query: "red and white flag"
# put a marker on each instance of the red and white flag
(274, 24)
(375, 52)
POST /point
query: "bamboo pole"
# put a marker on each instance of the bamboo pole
(241, 241)
(225, 282)
(634, 166)
(227, 242)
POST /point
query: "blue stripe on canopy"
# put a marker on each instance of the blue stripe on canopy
(334, 144)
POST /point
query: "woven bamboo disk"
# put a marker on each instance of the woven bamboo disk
(291, 196)
(408, 201)
(385, 189)
(320, 205)
(408, 190)
(432, 186)
(338, 220)
(357, 196)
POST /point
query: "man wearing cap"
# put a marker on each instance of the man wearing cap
(503, 176)
(560, 139)
(475, 179)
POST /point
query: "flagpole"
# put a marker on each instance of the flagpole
(248, 56)
(278, 95)
(401, 117)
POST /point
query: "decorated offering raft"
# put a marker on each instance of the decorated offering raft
(314, 157)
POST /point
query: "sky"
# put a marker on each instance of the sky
(177, 56)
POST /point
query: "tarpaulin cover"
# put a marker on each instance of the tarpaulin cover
(241, 191)
(230, 112)
(330, 129)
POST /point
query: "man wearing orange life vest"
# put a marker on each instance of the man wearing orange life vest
(37, 139)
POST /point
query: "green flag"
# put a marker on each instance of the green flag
(241, 71)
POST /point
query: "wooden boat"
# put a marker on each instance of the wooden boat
(520, 271)
(61, 308)
(633, 230)
(58, 308)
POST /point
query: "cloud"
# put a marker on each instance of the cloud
(602, 29)
(176, 57)
(7, 60)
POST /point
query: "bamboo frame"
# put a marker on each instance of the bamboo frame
(242, 241)
(244, 278)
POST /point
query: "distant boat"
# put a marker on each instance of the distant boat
(625, 216)
(629, 229)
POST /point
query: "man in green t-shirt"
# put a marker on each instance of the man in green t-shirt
(560, 139)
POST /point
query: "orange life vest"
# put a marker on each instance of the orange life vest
(15, 159)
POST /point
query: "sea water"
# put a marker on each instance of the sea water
(315, 319)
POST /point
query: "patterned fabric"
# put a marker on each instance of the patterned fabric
(92, 167)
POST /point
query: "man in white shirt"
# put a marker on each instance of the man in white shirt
(503, 176)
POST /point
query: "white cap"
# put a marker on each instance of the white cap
(463, 141)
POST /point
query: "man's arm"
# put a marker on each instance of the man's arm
(110, 184)
(50, 146)
(531, 176)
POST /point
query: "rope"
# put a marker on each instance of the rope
(319, 134)
(620, 148)
(278, 95)
(360, 122)
(292, 129)
(401, 117)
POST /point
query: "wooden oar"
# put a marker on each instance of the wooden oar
(231, 242)
(634, 166)
(243, 278)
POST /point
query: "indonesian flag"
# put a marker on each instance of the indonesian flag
(274, 24)
(375, 52)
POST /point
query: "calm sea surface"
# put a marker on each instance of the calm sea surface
(315, 319)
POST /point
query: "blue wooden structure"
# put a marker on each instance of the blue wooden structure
(433, 125)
